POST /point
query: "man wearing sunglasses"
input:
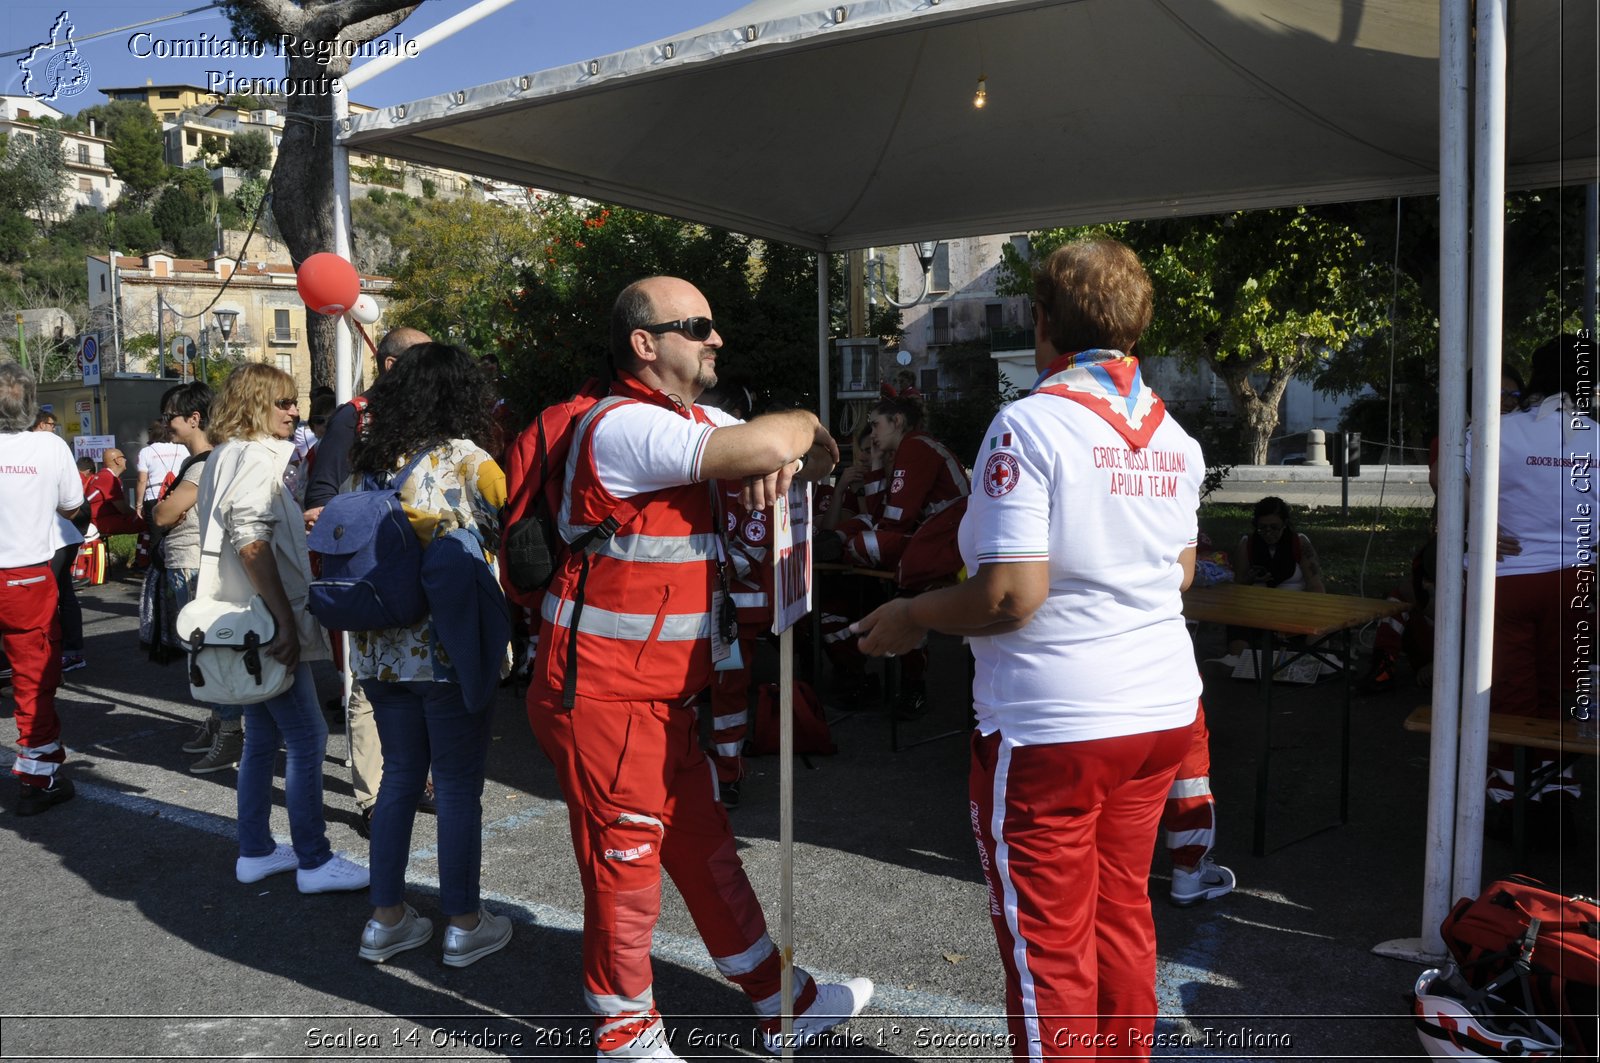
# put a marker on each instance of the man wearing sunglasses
(631, 623)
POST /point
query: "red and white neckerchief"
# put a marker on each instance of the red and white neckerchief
(1109, 384)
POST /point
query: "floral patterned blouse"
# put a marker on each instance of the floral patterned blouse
(457, 486)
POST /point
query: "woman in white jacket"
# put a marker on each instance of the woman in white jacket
(263, 551)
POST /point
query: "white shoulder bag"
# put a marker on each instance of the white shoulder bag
(226, 641)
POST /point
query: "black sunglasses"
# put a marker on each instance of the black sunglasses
(698, 329)
(286, 404)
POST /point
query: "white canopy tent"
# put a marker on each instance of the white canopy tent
(838, 126)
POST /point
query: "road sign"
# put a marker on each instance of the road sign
(89, 361)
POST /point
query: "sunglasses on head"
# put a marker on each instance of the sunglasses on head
(698, 329)
(287, 404)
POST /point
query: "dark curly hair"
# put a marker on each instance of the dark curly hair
(436, 392)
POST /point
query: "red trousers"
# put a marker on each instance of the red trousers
(31, 633)
(730, 709)
(1189, 816)
(641, 796)
(1540, 618)
(1065, 835)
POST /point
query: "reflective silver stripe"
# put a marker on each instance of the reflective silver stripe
(39, 751)
(28, 766)
(567, 530)
(939, 507)
(750, 601)
(29, 581)
(892, 512)
(630, 627)
(1182, 839)
(639, 819)
(727, 749)
(746, 961)
(733, 719)
(958, 472)
(673, 549)
(869, 541)
(610, 1004)
(767, 1007)
(1190, 788)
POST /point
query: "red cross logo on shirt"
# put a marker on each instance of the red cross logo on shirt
(1000, 474)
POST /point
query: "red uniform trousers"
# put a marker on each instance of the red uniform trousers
(1539, 619)
(1189, 816)
(1065, 835)
(730, 706)
(30, 631)
(641, 797)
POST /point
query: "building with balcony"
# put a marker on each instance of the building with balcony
(174, 300)
(960, 306)
(90, 183)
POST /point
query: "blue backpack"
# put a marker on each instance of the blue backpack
(371, 559)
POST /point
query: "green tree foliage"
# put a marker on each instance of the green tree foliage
(763, 296)
(135, 153)
(33, 176)
(1260, 296)
(133, 231)
(250, 152)
(184, 221)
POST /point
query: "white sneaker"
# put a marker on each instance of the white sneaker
(256, 868)
(462, 948)
(1205, 883)
(336, 876)
(836, 1003)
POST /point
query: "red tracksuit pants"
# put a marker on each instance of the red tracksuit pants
(1189, 816)
(30, 631)
(1539, 620)
(1065, 836)
(641, 796)
(730, 708)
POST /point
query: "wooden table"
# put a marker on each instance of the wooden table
(1315, 617)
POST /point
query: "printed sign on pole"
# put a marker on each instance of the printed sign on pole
(791, 542)
(89, 361)
(92, 446)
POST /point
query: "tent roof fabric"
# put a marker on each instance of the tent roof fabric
(851, 124)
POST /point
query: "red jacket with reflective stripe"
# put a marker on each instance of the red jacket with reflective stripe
(644, 629)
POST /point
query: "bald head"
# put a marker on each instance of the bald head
(112, 455)
(651, 336)
(396, 342)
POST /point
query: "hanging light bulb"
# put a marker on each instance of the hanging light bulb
(981, 97)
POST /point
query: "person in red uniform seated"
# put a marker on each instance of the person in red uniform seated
(630, 627)
(108, 502)
(1079, 547)
(921, 478)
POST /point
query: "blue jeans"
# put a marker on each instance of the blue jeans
(423, 725)
(295, 718)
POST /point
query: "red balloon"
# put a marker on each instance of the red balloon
(328, 283)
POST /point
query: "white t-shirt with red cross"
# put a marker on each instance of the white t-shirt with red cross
(1107, 654)
(38, 477)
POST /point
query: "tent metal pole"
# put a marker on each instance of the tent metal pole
(1488, 255)
(824, 405)
(1455, 94)
(343, 349)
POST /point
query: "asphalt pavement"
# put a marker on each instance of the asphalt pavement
(128, 937)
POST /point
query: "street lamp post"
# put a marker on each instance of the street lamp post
(225, 320)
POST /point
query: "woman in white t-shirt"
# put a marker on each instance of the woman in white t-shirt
(1080, 537)
(158, 459)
